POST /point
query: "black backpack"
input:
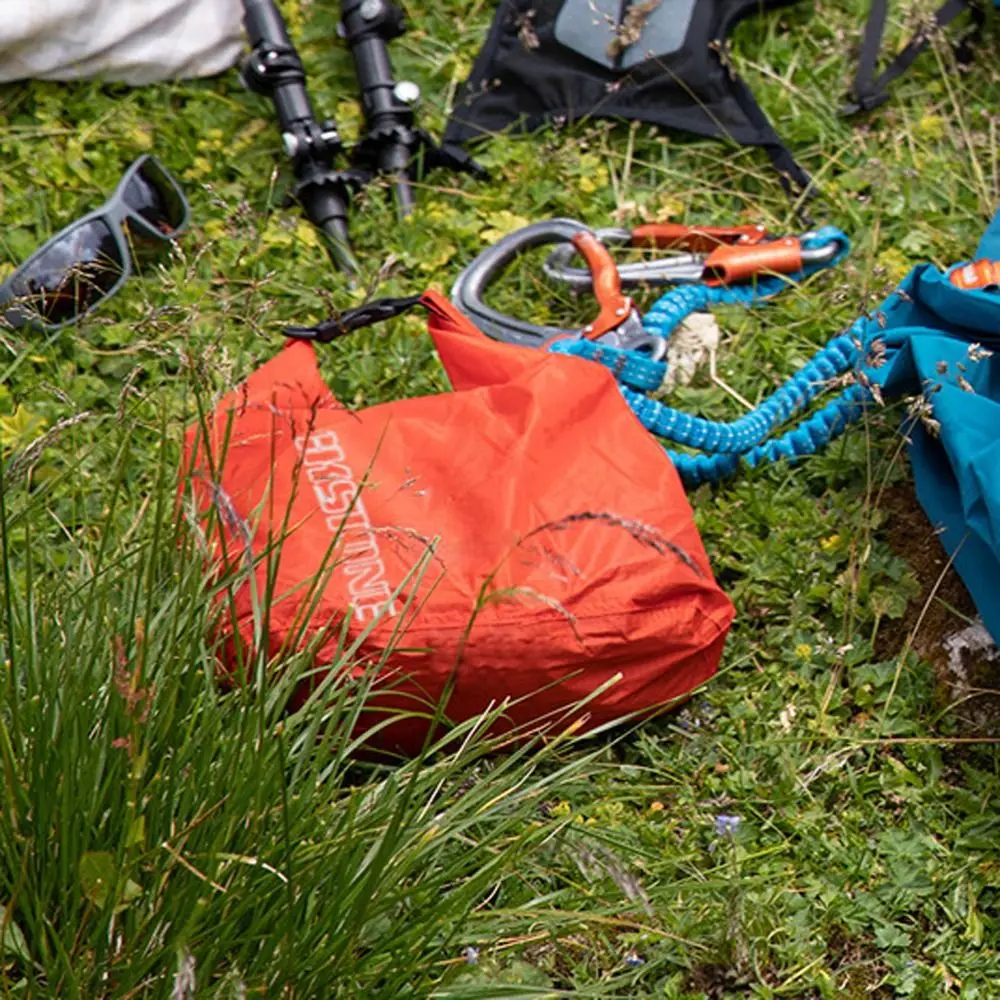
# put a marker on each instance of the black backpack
(657, 61)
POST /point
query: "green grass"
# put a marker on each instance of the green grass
(155, 830)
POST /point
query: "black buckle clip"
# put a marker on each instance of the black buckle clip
(863, 102)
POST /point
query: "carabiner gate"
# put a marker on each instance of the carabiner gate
(719, 255)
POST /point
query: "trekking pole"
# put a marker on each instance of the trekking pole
(392, 145)
(273, 69)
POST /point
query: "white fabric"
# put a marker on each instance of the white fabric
(128, 41)
(689, 346)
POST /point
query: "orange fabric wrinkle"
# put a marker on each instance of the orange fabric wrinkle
(541, 490)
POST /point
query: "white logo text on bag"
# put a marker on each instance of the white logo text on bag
(339, 498)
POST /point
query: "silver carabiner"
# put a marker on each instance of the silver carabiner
(618, 323)
(684, 268)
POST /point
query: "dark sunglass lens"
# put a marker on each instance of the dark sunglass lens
(151, 194)
(70, 276)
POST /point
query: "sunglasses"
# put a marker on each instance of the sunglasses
(89, 260)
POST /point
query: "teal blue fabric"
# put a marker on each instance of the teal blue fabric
(930, 332)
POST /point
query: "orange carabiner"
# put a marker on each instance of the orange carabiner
(697, 239)
(728, 264)
(615, 307)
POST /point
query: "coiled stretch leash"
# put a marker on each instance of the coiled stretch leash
(721, 447)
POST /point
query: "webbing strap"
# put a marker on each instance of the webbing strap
(870, 91)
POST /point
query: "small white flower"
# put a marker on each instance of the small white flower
(786, 718)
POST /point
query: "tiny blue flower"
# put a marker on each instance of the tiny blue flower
(633, 961)
(471, 955)
(726, 826)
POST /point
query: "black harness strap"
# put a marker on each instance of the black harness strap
(870, 91)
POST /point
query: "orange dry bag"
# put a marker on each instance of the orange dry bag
(565, 560)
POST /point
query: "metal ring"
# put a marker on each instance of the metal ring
(469, 287)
